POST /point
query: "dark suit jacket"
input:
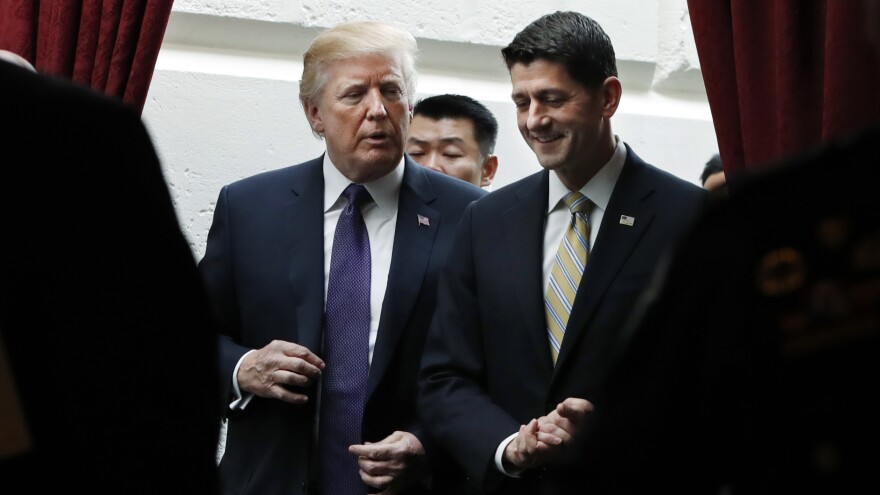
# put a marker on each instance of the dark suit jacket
(263, 266)
(487, 367)
(102, 312)
(751, 366)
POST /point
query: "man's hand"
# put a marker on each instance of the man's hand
(546, 438)
(267, 371)
(391, 464)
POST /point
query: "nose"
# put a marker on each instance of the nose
(375, 105)
(536, 118)
(432, 161)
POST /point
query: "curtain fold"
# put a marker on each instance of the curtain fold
(108, 45)
(783, 76)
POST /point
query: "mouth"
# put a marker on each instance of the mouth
(377, 137)
(544, 139)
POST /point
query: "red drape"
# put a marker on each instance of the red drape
(108, 45)
(782, 76)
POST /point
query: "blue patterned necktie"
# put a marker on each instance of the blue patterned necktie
(346, 349)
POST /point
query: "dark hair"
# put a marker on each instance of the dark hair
(712, 166)
(569, 38)
(457, 107)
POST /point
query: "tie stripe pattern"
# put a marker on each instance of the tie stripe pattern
(565, 276)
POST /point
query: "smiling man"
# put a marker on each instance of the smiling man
(324, 275)
(455, 135)
(543, 271)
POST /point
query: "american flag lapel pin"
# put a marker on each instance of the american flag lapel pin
(423, 220)
(627, 220)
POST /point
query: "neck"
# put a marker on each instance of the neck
(575, 179)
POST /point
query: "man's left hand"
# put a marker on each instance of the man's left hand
(391, 464)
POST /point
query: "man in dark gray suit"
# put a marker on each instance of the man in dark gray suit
(522, 330)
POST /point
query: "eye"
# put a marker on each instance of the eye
(392, 91)
(553, 100)
(521, 104)
(416, 153)
(352, 96)
(452, 155)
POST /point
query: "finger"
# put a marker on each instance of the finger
(529, 438)
(285, 377)
(374, 451)
(299, 366)
(574, 408)
(563, 431)
(379, 468)
(380, 482)
(297, 351)
(550, 440)
(281, 393)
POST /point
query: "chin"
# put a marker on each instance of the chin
(375, 166)
(548, 162)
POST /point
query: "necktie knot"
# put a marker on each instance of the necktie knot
(356, 195)
(577, 202)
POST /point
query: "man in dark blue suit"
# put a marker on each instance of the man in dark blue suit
(271, 266)
(523, 329)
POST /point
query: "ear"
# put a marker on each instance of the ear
(314, 116)
(610, 91)
(490, 166)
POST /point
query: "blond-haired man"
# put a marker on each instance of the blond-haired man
(324, 274)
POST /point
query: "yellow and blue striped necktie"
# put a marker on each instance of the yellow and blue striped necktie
(565, 276)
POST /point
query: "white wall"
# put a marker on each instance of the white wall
(223, 105)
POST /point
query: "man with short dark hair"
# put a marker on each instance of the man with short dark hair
(543, 272)
(712, 176)
(454, 135)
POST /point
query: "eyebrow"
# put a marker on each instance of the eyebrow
(541, 93)
(349, 84)
(446, 140)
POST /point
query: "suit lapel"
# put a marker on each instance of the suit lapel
(615, 243)
(413, 245)
(304, 221)
(524, 238)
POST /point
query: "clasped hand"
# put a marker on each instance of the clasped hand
(546, 438)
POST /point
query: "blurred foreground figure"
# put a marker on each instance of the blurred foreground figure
(109, 352)
(757, 375)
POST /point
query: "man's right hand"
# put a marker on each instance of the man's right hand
(548, 437)
(268, 371)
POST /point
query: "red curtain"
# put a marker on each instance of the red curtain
(108, 45)
(782, 76)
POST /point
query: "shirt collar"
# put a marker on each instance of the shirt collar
(598, 189)
(385, 190)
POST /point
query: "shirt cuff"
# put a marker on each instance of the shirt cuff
(499, 458)
(240, 401)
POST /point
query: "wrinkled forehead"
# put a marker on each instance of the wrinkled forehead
(373, 66)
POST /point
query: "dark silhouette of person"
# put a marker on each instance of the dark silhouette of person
(105, 325)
